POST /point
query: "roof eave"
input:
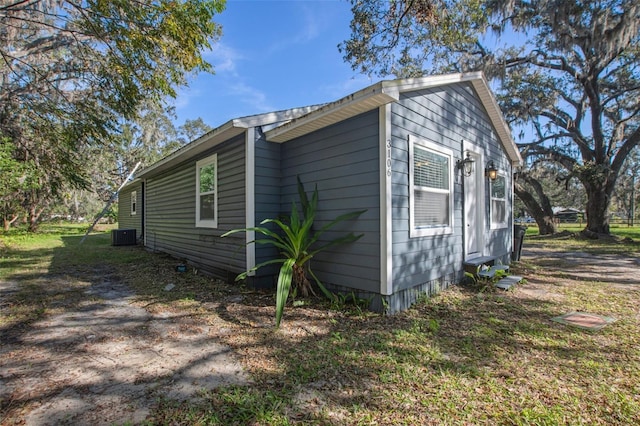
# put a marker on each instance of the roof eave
(210, 139)
(357, 103)
(481, 86)
(389, 91)
(495, 115)
(228, 130)
(410, 84)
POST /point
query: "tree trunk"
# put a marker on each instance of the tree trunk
(6, 222)
(34, 218)
(540, 211)
(598, 210)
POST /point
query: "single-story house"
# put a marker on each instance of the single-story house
(416, 154)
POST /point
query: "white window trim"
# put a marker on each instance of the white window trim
(207, 223)
(499, 225)
(431, 230)
(134, 203)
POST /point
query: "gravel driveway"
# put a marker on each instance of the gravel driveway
(107, 361)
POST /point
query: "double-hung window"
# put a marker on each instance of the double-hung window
(430, 188)
(499, 202)
(134, 202)
(207, 192)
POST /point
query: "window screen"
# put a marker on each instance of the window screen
(430, 169)
(134, 201)
(499, 200)
(206, 189)
(431, 207)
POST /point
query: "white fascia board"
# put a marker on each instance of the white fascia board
(222, 133)
(276, 118)
(133, 182)
(411, 84)
(481, 86)
(389, 91)
(495, 115)
(216, 136)
(361, 101)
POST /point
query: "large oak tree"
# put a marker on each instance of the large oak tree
(72, 70)
(568, 72)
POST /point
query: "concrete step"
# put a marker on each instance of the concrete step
(477, 261)
(492, 271)
(471, 265)
(507, 282)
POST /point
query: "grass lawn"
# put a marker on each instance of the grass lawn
(462, 357)
(619, 230)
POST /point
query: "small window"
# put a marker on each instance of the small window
(499, 202)
(207, 192)
(134, 202)
(431, 189)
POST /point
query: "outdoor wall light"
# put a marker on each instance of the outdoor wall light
(466, 165)
(491, 171)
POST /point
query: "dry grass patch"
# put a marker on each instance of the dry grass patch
(458, 358)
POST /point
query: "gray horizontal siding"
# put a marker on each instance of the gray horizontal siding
(125, 219)
(422, 259)
(446, 116)
(342, 160)
(171, 214)
(267, 202)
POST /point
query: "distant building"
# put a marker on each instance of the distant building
(568, 215)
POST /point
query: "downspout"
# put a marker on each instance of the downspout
(143, 210)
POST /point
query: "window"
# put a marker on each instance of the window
(431, 188)
(499, 202)
(134, 201)
(207, 192)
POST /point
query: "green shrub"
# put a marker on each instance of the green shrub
(298, 243)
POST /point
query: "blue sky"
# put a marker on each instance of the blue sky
(273, 55)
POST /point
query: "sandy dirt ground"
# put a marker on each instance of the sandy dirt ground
(108, 361)
(616, 269)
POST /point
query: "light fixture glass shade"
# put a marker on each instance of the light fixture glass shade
(466, 165)
(491, 171)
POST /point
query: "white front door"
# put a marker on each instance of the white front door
(474, 208)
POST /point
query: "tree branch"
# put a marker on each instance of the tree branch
(632, 141)
(543, 139)
(566, 161)
(574, 132)
(18, 3)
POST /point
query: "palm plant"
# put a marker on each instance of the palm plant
(297, 244)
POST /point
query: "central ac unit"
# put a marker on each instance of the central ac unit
(123, 237)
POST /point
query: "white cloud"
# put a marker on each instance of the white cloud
(184, 97)
(251, 96)
(223, 58)
(309, 29)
